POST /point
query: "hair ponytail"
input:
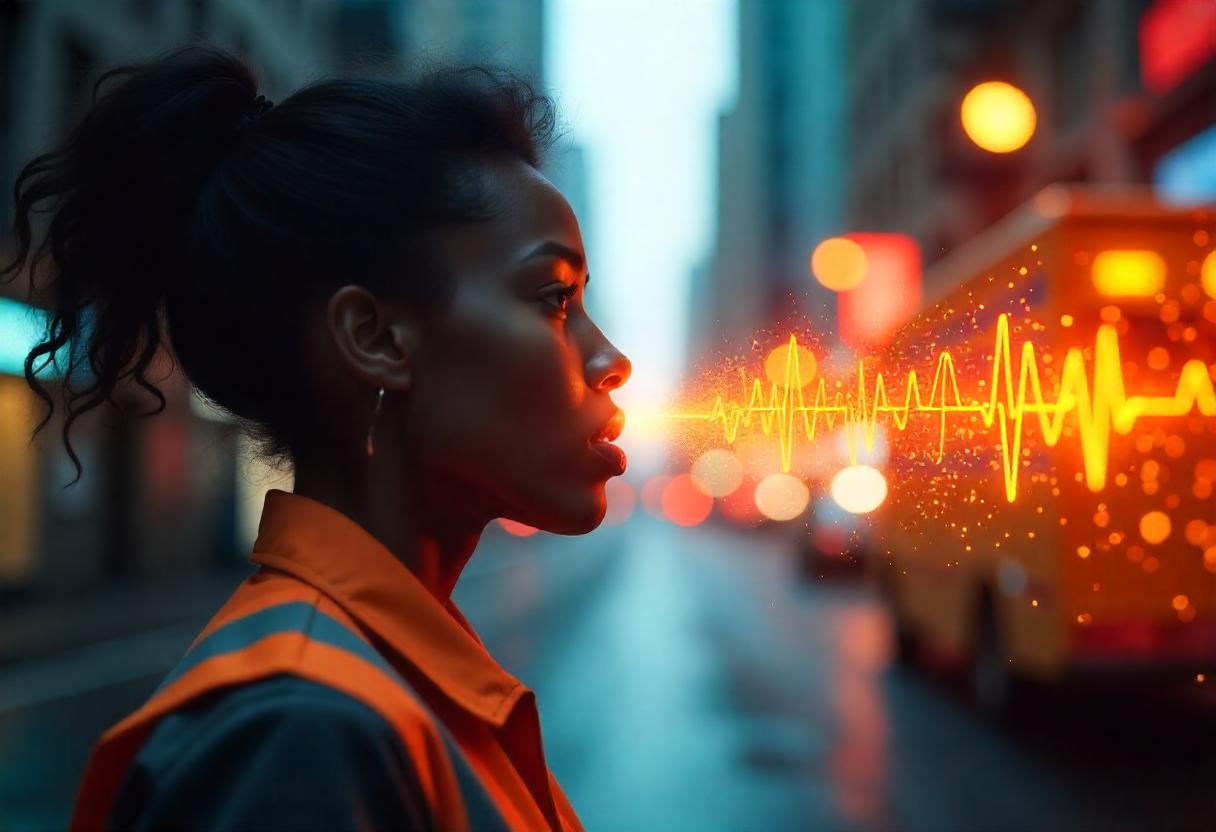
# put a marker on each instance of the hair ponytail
(122, 186)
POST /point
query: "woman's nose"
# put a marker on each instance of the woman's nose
(608, 368)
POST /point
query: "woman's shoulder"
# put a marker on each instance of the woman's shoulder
(279, 752)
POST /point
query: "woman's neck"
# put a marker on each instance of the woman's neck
(432, 545)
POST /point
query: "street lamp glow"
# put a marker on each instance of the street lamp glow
(998, 116)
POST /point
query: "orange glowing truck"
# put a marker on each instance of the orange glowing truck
(1106, 556)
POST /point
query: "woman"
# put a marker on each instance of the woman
(375, 280)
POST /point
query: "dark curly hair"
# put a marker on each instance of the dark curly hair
(180, 212)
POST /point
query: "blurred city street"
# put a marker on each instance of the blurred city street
(690, 679)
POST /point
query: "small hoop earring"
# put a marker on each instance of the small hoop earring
(371, 448)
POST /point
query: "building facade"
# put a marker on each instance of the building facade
(779, 174)
(912, 170)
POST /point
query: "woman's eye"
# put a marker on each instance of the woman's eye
(559, 300)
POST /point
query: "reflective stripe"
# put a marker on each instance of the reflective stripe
(302, 617)
(294, 616)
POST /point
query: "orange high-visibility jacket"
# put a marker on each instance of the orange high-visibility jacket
(332, 606)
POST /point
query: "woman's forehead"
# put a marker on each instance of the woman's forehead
(528, 211)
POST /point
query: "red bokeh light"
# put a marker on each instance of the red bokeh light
(1176, 38)
(890, 294)
(683, 503)
(739, 506)
(652, 495)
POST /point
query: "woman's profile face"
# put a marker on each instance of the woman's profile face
(510, 407)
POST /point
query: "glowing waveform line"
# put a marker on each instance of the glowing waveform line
(1099, 409)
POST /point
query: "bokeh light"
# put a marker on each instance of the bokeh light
(1155, 526)
(998, 117)
(859, 489)
(652, 495)
(777, 364)
(760, 455)
(782, 496)
(717, 472)
(839, 263)
(621, 501)
(683, 503)
(739, 507)
(1207, 274)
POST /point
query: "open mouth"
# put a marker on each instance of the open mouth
(612, 457)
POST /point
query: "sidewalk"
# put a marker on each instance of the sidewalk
(36, 627)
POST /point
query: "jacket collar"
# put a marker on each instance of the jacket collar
(326, 549)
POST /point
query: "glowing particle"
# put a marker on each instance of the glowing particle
(782, 496)
(1180, 602)
(859, 489)
(839, 263)
(1034, 602)
(1066, 320)
(1150, 565)
(717, 472)
(1199, 677)
(1155, 527)
(1084, 619)
(1101, 518)
(1195, 531)
(1083, 552)
(998, 117)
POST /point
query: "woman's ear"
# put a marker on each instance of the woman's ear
(377, 343)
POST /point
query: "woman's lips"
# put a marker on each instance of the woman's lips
(613, 457)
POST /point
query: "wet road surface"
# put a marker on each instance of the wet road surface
(688, 679)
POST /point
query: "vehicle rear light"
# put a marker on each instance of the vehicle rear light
(1129, 273)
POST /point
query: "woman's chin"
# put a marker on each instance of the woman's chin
(576, 514)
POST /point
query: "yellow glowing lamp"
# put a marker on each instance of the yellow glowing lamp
(1129, 273)
(1207, 274)
(839, 263)
(998, 116)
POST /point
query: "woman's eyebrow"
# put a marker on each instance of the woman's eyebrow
(551, 248)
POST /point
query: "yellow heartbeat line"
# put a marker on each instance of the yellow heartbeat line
(1099, 410)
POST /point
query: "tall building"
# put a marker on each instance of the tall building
(1083, 64)
(779, 173)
